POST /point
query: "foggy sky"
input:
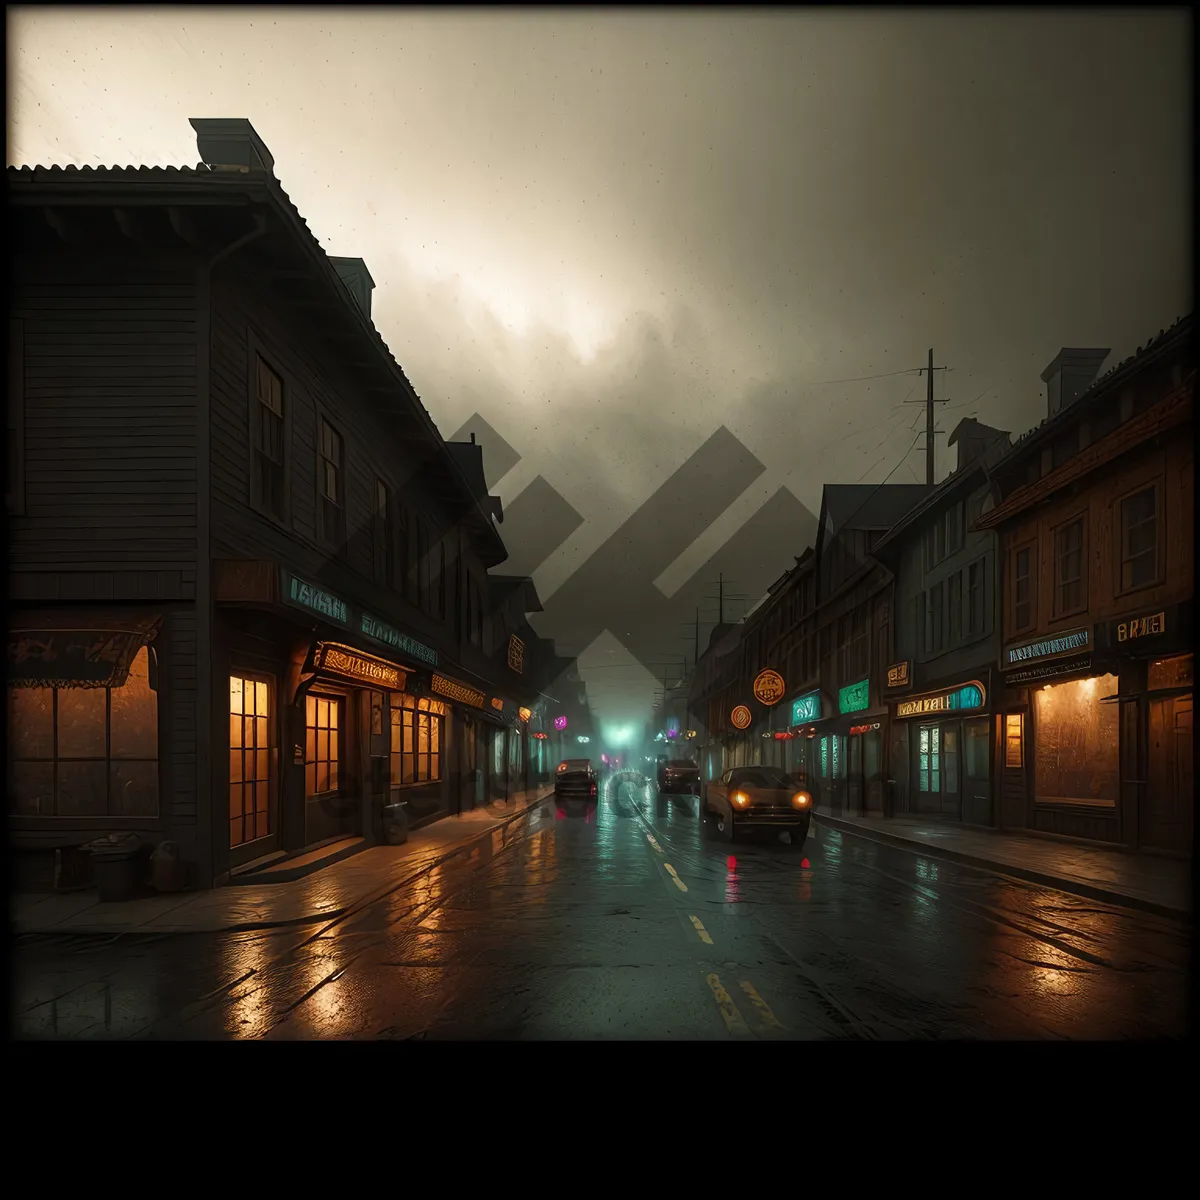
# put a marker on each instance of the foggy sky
(613, 233)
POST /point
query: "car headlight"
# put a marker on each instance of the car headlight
(562, 767)
(802, 800)
(739, 799)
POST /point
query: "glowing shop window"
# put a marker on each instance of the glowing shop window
(837, 756)
(1014, 739)
(249, 760)
(1077, 742)
(824, 758)
(322, 757)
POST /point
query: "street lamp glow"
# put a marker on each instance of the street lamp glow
(618, 735)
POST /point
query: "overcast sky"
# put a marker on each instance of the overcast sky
(615, 232)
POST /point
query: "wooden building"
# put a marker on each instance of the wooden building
(1094, 509)
(939, 688)
(249, 575)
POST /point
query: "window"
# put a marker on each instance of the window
(1023, 588)
(955, 607)
(1014, 739)
(1068, 568)
(85, 752)
(416, 740)
(322, 745)
(935, 541)
(267, 469)
(976, 736)
(1077, 738)
(249, 760)
(329, 484)
(975, 621)
(1139, 539)
(954, 528)
(14, 490)
(382, 536)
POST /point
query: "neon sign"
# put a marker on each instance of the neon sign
(853, 698)
(560, 722)
(806, 708)
(970, 695)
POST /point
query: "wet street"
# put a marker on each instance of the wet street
(625, 922)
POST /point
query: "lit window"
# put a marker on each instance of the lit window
(322, 745)
(416, 740)
(85, 752)
(1076, 759)
(1139, 539)
(1014, 739)
(249, 760)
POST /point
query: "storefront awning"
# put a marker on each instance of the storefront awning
(68, 649)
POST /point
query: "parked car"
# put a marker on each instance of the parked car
(679, 776)
(747, 799)
(575, 779)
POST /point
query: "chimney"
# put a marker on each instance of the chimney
(1070, 375)
(974, 439)
(358, 281)
(231, 144)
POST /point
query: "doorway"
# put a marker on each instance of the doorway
(1166, 818)
(331, 792)
(253, 767)
(938, 770)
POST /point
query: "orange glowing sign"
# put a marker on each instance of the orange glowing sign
(524, 714)
(769, 687)
(740, 717)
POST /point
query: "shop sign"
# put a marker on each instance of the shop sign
(691, 733)
(1070, 642)
(363, 668)
(1049, 670)
(853, 698)
(308, 596)
(560, 722)
(857, 729)
(968, 696)
(497, 703)
(378, 631)
(516, 654)
(769, 687)
(784, 737)
(740, 717)
(897, 676)
(541, 737)
(75, 658)
(524, 713)
(453, 690)
(806, 708)
(1139, 627)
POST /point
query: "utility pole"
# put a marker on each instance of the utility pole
(930, 432)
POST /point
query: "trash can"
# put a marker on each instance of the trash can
(395, 824)
(166, 868)
(115, 865)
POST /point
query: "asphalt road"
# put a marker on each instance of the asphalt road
(622, 921)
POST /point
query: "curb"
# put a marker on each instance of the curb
(1073, 887)
(328, 915)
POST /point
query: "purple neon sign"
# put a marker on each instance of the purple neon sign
(560, 722)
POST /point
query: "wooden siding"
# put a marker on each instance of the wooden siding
(1170, 462)
(245, 321)
(109, 353)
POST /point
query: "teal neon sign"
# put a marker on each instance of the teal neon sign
(853, 698)
(806, 708)
(306, 595)
(378, 631)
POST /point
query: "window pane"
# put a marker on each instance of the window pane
(235, 694)
(261, 699)
(434, 768)
(322, 745)
(31, 788)
(82, 789)
(334, 756)
(261, 797)
(310, 710)
(31, 722)
(423, 735)
(235, 801)
(134, 732)
(407, 768)
(134, 789)
(262, 768)
(81, 723)
(310, 745)
(435, 730)
(310, 780)
(334, 780)
(235, 766)
(322, 777)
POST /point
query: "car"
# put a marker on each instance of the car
(746, 799)
(575, 779)
(680, 776)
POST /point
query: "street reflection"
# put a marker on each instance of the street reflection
(248, 1013)
(732, 891)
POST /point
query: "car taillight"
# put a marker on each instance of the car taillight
(593, 791)
(562, 767)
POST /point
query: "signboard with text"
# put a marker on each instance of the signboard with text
(516, 654)
(806, 708)
(453, 690)
(302, 594)
(1072, 641)
(379, 631)
(363, 668)
(897, 675)
(768, 687)
(854, 698)
(965, 698)
(740, 718)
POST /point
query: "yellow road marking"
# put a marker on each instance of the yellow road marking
(768, 1018)
(702, 932)
(650, 839)
(678, 882)
(729, 1011)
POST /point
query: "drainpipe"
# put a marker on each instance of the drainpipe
(208, 720)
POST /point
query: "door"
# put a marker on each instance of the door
(872, 767)
(253, 768)
(951, 795)
(854, 776)
(1166, 817)
(331, 792)
(929, 769)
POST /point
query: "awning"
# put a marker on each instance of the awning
(68, 649)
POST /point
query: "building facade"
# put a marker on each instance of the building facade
(1094, 510)
(249, 576)
(946, 630)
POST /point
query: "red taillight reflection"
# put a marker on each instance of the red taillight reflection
(559, 814)
(731, 863)
(804, 863)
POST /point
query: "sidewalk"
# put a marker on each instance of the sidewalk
(1157, 885)
(322, 896)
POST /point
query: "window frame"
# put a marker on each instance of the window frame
(14, 492)
(338, 540)
(1029, 547)
(1058, 608)
(383, 533)
(247, 675)
(407, 713)
(1119, 558)
(259, 358)
(1007, 733)
(342, 707)
(98, 821)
